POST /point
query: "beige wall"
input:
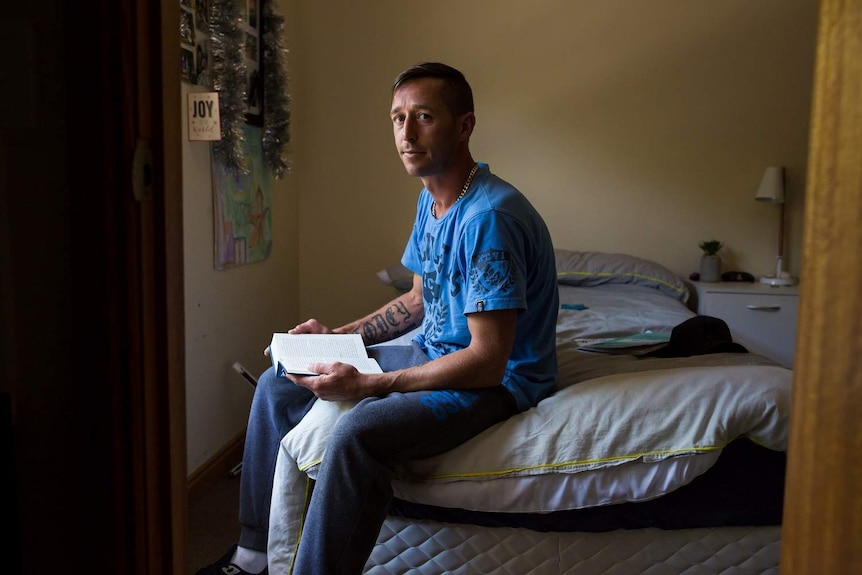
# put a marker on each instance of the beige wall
(640, 127)
(231, 314)
(634, 126)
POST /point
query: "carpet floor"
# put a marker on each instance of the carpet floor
(213, 522)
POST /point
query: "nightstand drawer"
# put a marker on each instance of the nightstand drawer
(764, 321)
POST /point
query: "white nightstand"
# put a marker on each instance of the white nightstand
(760, 317)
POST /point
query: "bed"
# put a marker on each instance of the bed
(639, 462)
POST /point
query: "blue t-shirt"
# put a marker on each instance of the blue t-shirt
(491, 251)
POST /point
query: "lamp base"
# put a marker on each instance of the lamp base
(778, 281)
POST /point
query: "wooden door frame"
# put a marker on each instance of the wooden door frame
(822, 506)
(156, 307)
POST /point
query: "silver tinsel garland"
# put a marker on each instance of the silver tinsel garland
(276, 99)
(228, 77)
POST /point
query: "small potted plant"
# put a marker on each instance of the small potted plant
(710, 262)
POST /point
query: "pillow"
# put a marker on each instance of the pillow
(588, 269)
(397, 276)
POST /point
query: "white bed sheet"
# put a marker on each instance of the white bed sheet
(628, 482)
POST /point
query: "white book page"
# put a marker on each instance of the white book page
(294, 353)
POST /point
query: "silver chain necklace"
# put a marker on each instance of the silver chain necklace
(463, 190)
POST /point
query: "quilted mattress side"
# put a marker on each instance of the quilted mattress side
(432, 548)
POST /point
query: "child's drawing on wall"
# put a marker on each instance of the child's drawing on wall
(242, 208)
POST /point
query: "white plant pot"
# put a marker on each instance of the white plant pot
(710, 269)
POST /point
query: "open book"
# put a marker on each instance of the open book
(633, 344)
(294, 353)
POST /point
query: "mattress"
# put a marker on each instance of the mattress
(433, 548)
(744, 508)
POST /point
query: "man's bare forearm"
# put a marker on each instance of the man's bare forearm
(390, 321)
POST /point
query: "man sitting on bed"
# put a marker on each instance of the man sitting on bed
(485, 294)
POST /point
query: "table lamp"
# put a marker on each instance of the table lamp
(771, 190)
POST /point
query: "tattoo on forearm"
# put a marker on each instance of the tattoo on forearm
(395, 310)
(396, 319)
(369, 333)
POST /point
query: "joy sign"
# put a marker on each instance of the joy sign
(204, 124)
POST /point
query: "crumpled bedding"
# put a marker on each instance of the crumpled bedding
(607, 411)
(648, 415)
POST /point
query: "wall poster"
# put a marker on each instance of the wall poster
(242, 205)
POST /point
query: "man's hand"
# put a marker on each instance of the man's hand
(310, 326)
(336, 382)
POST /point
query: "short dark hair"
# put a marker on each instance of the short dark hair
(457, 92)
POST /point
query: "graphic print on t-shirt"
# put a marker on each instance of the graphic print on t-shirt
(434, 264)
(444, 402)
(492, 271)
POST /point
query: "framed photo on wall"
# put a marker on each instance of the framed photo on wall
(194, 42)
(253, 60)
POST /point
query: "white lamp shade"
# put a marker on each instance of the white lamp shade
(771, 186)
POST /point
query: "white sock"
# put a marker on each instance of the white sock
(249, 559)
